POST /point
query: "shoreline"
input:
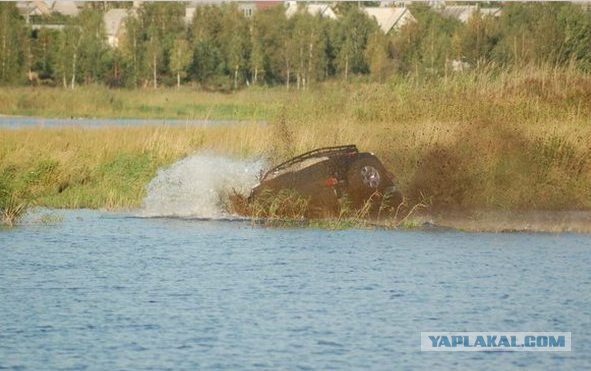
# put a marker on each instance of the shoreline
(506, 221)
(476, 221)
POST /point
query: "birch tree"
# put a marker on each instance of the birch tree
(270, 36)
(180, 59)
(68, 55)
(132, 51)
(235, 42)
(350, 41)
(205, 34)
(154, 54)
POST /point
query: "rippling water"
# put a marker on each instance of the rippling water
(111, 291)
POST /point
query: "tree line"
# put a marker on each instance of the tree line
(222, 49)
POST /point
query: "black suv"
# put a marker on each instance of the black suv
(328, 176)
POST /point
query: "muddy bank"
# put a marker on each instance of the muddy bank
(512, 221)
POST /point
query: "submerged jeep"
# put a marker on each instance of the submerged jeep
(331, 178)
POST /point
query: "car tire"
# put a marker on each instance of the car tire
(364, 178)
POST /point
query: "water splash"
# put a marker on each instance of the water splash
(198, 186)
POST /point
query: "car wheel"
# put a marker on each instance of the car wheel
(364, 177)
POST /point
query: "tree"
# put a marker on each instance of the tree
(350, 39)
(257, 53)
(269, 38)
(425, 45)
(180, 58)
(68, 55)
(205, 34)
(476, 41)
(12, 35)
(309, 39)
(162, 22)
(377, 56)
(576, 31)
(154, 54)
(94, 52)
(44, 46)
(132, 51)
(530, 33)
(234, 41)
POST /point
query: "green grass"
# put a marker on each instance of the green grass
(512, 140)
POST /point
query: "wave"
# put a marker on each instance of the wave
(199, 186)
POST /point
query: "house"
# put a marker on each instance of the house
(69, 8)
(114, 25)
(30, 9)
(248, 8)
(490, 12)
(189, 14)
(463, 13)
(43, 8)
(391, 18)
(324, 10)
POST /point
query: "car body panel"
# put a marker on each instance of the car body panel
(327, 176)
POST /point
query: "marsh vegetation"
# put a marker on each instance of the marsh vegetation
(511, 131)
(516, 140)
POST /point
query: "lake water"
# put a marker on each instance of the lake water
(100, 290)
(25, 121)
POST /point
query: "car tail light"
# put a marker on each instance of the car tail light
(331, 181)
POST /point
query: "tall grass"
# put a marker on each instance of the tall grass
(107, 167)
(484, 139)
(487, 139)
(99, 101)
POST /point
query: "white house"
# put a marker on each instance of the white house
(463, 13)
(390, 18)
(324, 10)
(69, 8)
(114, 23)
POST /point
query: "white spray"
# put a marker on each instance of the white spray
(198, 186)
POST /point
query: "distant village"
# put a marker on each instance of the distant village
(389, 15)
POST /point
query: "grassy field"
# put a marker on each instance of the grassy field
(482, 140)
(99, 101)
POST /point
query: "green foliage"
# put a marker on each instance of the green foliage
(180, 58)
(269, 55)
(224, 50)
(425, 46)
(475, 42)
(205, 34)
(15, 195)
(377, 56)
(12, 37)
(68, 55)
(350, 38)
(94, 51)
(44, 50)
(550, 33)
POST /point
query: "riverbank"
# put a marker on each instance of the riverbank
(506, 141)
(511, 221)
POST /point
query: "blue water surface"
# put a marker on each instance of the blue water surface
(106, 291)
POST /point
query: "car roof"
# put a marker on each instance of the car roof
(326, 152)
